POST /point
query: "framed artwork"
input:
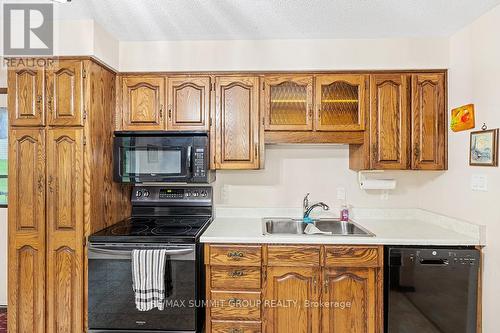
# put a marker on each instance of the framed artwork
(484, 148)
(462, 118)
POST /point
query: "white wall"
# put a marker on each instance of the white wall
(291, 171)
(284, 54)
(473, 78)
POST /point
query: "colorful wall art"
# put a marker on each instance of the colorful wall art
(484, 148)
(462, 118)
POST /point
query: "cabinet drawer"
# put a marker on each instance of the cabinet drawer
(236, 326)
(286, 255)
(235, 305)
(235, 255)
(353, 256)
(226, 277)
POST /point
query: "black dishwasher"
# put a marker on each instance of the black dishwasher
(431, 290)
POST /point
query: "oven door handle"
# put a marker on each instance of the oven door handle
(101, 253)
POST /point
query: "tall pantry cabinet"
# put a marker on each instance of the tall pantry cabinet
(60, 188)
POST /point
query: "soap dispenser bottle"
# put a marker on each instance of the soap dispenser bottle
(344, 212)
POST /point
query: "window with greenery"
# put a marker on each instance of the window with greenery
(4, 147)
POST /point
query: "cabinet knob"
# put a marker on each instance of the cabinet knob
(161, 110)
(50, 184)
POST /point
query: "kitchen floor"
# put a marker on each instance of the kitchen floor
(3, 320)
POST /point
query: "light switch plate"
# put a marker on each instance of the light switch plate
(479, 183)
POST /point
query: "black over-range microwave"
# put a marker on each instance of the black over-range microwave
(165, 157)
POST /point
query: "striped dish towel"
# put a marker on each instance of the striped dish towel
(148, 277)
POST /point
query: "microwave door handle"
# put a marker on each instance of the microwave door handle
(189, 160)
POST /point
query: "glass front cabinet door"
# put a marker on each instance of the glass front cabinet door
(340, 102)
(288, 103)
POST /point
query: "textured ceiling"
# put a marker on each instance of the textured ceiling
(140, 20)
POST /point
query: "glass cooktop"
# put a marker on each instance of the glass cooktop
(154, 229)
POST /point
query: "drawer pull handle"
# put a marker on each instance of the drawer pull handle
(235, 255)
(235, 330)
(234, 301)
(236, 274)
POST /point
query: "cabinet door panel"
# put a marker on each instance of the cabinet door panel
(340, 102)
(65, 230)
(288, 103)
(26, 97)
(429, 122)
(298, 287)
(188, 103)
(64, 93)
(389, 121)
(237, 145)
(26, 231)
(351, 296)
(143, 99)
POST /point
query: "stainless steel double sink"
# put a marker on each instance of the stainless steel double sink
(291, 226)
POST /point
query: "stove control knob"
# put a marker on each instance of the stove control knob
(188, 194)
(138, 194)
(203, 193)
(146, 193)
(195, 193)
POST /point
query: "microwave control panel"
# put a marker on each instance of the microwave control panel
(199, 164)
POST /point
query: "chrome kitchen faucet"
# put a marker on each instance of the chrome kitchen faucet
(308, 209)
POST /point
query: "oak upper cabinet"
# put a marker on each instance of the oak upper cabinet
(237, 129)
(142, 102)
(429, 135)
(26, 96)
(340, 102)
(26, 272)
(188, 103)
(300, 287)
(65, 235)
(287, 103)
(65, 93)
(389, 121)
(352, 294)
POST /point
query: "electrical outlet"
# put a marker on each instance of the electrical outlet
(340, 193)
(384, 195)
(479, 183)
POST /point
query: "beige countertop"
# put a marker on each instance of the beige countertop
(390, 226)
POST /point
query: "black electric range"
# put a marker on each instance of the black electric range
(167, 217)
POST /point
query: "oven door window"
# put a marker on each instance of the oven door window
(112, 301)
(152, 163)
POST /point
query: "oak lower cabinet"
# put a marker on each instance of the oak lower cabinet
(292, 295)
(351, 295)
(304, 288)
(26, 274)
(60, 191)
(238, 142)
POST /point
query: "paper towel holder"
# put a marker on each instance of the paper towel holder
(362, 178)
